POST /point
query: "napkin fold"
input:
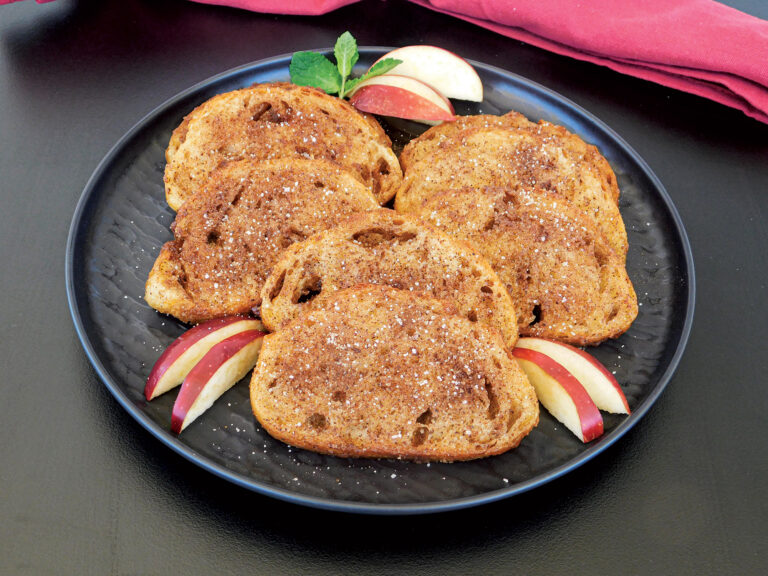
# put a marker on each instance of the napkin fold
(698, 46)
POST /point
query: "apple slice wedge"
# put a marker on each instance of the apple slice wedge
(221, 368)
(181, 356)
(401, 97)
(600, 384)
(449, 74)
(561, 394)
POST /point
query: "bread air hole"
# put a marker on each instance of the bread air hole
(375, 236)
(213, 237)
(419, 436)
(339, 396)
(260, 110)
(602, 256)
(493, 402)
(382, 167)
(317, 421)
(291, 236)
(278, 286)
(425, 417)
(310, 288)
(536, 315)
(486, 290)
(472, 316)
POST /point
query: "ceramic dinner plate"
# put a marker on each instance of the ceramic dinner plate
(122, 220)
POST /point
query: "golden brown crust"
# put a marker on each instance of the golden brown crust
(384, 373)
(229, 235)
(384, 247)
(274, 120)
(566, 281)
(509, 151)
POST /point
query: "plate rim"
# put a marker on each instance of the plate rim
(355, 506)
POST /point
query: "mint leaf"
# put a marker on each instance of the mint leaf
(346, 55)
(313, 69)
(351, 83)
(381, 67)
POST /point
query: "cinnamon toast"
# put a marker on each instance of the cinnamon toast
(508, 151)
(566, 280)
(229, 235)
(378, 372)
(276, 120)
(383, 247)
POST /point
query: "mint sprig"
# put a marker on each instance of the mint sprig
(346, 55)
(313, 69)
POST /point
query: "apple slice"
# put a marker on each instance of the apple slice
(561, 394)
(401, 97)
(600, 384)
(178, 359)
(221, 368)
(449, 74)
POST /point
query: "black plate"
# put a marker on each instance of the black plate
(122, 220)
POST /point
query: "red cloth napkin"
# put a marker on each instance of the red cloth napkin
(303, 7)
(699, 46)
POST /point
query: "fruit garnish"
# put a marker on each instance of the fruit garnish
(314, 69)
(183, 353)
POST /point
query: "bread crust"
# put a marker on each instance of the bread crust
(274, 120)
(384, 247)
(378, 372)
(229, 235)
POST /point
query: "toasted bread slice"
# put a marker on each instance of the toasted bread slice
(419, 148)
(509, 151)
(384, 247)
(277, 120)
(229, 235)
(387, 373)
(566, 281)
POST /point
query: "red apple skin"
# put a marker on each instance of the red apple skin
(397, 102)
(592, 360)
(589, 415)
(181, 345)
(199, 376)
(589, 358)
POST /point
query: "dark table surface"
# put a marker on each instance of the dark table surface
(85, 490)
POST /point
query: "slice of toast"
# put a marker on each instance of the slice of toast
(275, 120)
(229, 235)
(384, 247)
(508, 151)
(566, 281)
(443, 134)
(387, 373)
